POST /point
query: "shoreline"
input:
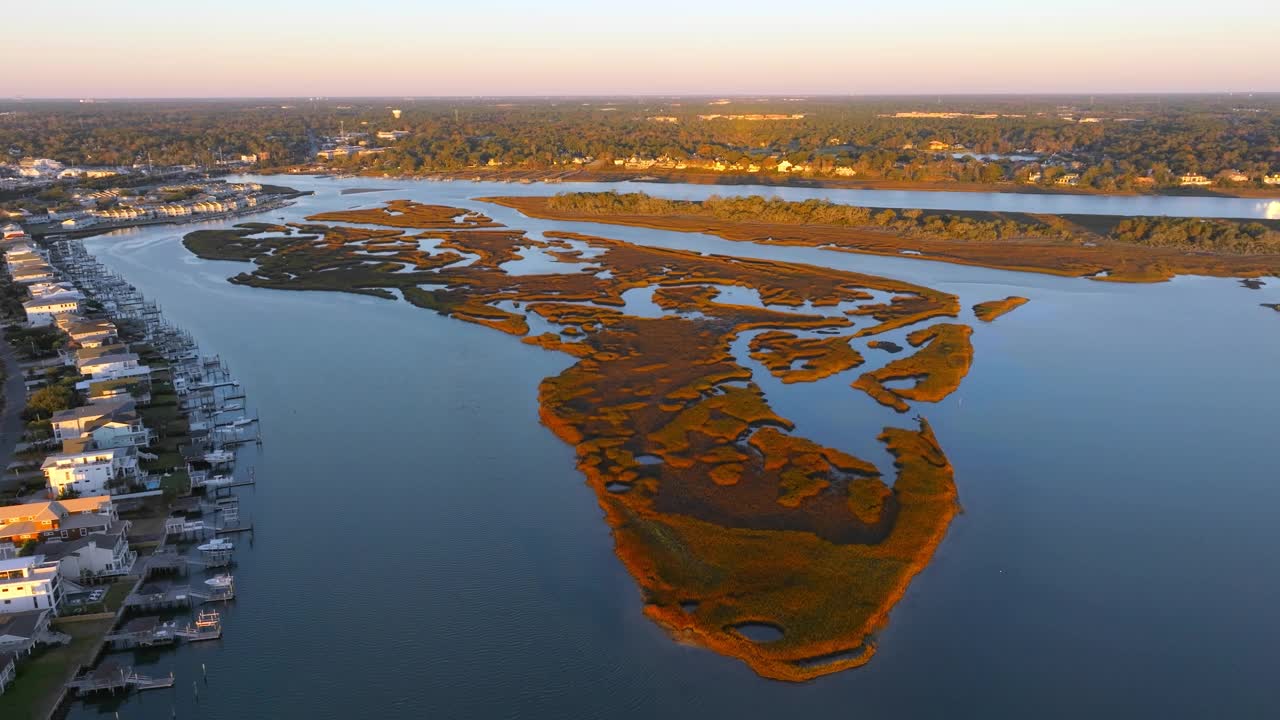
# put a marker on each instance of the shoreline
(185, 420)
(550, 176)
(1103, 262)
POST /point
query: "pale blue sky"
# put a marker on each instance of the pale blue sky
(154, 48)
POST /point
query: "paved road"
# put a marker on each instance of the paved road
(15, 399)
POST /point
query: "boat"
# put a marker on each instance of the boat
(218, 457)
(217, 545)
(220, 582)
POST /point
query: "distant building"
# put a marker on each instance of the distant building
(99, 555)
(392, 134)
(1193, 179)
(1271, 179)
(1071, 179)
(65, 519)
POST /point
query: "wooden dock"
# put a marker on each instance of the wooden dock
(113, 678)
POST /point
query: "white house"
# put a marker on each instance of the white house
(1271, 179)
(112, 366)
(41, 311)
(93, 556)
(1194, 179)
(30, 583)
(90, 472)
(30, 274)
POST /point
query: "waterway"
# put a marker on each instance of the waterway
(426, 549)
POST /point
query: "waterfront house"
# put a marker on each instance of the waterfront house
(89, 333)
(30, 583)
(111, 365)
(73, 423)
(20, 631)
(31, 274)
(392, 134)
(1194, 179)
(94, 556)
(41, 311)
(90, 471)
(1071, 179)
(1271, 179)
(64, 519)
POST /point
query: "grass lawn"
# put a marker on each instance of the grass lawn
(41, 676)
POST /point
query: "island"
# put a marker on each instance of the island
(1102, 248)
(744, 537)
(992, 309)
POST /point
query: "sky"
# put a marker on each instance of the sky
(302, 48)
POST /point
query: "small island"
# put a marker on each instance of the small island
(727, 519)
(992, 309)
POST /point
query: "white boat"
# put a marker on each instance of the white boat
(217, 545)
(220, 582)
(218, 457)
(241, 422)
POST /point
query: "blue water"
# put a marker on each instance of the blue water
(427, 549)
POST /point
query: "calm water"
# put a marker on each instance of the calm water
(427, 549)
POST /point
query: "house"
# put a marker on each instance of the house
(392, 134)
(89, 333)
(1235, 176)
(69, 424)
(938, 145)
(1071, 179)
(137, 388)
(1271, 179)
(11, 231)
(30, 583)
(111, 365)
(1034, 176)
(843, 171)
(30, 274)
(65, 519)
(41, 311)
(1193, 179)
(92, 556)
(19, 632)
(90, 472)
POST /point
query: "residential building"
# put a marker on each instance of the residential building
(90, 472)
(20, 631)
(41, 311)
(1071, 179)
(30, 583)
(392, 134)
(93, 556)
(65, 519)
(117, 364)
(1271, 179)
(1194, 179)
(70, 424)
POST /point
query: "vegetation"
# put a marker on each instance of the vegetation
(1100, 247)
(756, 208)
(1114, 143)
(729, 498)
(1207, 235)
(992, 309)
(37, 343)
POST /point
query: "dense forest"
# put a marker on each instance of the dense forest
(1111, 142)
(1240, 238)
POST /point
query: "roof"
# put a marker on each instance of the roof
(85, 520)
(106, 359)
(20, 563)
(95, 409)
(54, 509)
(55, 299)
(22, 624)
(16, 529)
(56, 550)
(108, 454)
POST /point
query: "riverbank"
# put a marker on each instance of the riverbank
(189, 443)
(1100, 260)
(485, 174)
